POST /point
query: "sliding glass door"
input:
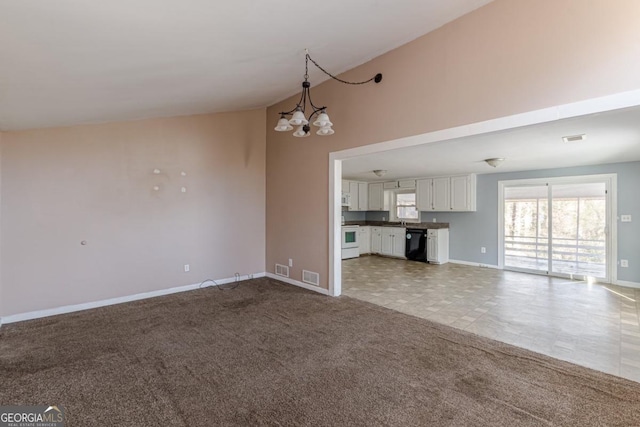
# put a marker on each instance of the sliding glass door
(557, 228)
(526, 228)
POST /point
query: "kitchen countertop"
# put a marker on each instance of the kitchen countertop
(420, 225)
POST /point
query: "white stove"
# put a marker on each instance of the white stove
(350, 244)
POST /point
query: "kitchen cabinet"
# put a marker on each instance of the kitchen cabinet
(393, 241)
(438, 246)
(440, 194)
(364, 240)
(424, 200)
(376, 196)
(363, 196)
(447, 193)
(407, 183)
(358, 195)
(463, 193)
(353, 191)
(376, 240)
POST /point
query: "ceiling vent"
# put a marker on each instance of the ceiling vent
(574, 138)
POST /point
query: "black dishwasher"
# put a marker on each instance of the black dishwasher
(416, 247)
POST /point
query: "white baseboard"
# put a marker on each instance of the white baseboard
(627, 284)
(474, 264)
(118, 300)
(293, 282)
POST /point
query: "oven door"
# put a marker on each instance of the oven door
(349, 237)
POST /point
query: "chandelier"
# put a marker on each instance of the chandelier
(298, 113)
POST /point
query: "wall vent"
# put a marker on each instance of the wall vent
(311, 277)
(282, 270)
(574, 138)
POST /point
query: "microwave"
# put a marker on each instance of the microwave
(346, 199)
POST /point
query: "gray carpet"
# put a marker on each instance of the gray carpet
(268, 353)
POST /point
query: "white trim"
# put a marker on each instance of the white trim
(627, 284)
(294, 282)
(335, 231)
(118, 300)
(546, 115)
(474, 264)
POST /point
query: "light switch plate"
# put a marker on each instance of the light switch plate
(625, 218)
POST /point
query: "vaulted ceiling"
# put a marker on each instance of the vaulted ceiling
(68, 62)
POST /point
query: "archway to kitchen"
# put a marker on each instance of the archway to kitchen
(581, 110)
(528, 297)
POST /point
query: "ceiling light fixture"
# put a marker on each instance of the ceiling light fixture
(495, 162)
(380, 172)
(298, 117)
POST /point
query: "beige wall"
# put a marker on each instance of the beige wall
(508, 57)
(95, 183)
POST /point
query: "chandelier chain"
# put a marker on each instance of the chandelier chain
(309, 58)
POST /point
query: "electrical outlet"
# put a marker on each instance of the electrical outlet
(384, 218)
(624, 263)
(625, 218)
(290, 262)
(186, 268)
(483, 250)
(434, 220)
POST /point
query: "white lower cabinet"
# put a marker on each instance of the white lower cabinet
(376, 240)
(393, 241)
(364, 239)
(438, 246)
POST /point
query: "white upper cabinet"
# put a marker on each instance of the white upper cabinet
(376, 196)
(424, 201)
(353, 191)
(363, 196)
(390, 185)
(463, 194)
(358, 194)
(447, 193)
(407, 183)
(440, 194)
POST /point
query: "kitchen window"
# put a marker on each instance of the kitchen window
(405, 208)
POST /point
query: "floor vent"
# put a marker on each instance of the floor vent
(282, 270)
(311, 277)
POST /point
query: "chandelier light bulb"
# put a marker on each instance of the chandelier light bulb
(298, 118)
(323, 120)
(300, 132)
(283, 125)
(325, 130)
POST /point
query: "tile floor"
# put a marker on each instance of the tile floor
(591, 325)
